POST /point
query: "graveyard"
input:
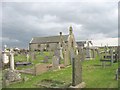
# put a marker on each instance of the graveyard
(93, 74)
(60, 62)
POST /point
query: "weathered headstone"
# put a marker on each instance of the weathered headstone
(57, 54)
(45, 59)
(5, 57)
(55, 62)
(93, 53)
(81, 50)
(105, 49)
(32, 55)
(11, 76)
(66, 58)
(61, 53)
(28, 57)
(72, 55)
(98, 53)
(76, 70)
(88, 52)
(111, 54)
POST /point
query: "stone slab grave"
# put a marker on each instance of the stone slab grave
(22, 63)
(36, 70)
(49, 83)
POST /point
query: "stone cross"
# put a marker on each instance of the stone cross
(11, 59)
(76, 70)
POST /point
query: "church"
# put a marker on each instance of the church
(53, 42)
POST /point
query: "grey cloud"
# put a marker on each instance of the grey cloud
(22, 21)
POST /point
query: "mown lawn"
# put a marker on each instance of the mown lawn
(92, 74)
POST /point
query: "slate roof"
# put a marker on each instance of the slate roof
(50, 39)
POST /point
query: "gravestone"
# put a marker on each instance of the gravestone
(57, 54)
(45, 59)
(88, 52)
(61, 53)
(76, 70)
(72, 55)
(11, 59)
(111, 54)
(5, 57)
(28, 57)
(93, 53)
(98, 53)
(105, 49)
(11, 75)
(55, 62)
(66, 58)
(32, 55)
(81, 50)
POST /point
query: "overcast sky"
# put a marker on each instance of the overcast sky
(90, 20)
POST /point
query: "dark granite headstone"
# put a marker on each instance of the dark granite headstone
(76, 70)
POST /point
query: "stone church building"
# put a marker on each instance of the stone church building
(53, 42)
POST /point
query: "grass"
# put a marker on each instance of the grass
(92, 74)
